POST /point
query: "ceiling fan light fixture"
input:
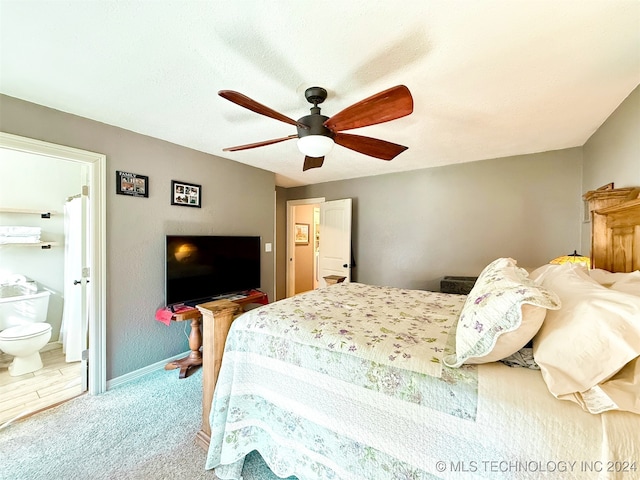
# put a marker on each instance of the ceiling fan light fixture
(315, 145)
(317, 133)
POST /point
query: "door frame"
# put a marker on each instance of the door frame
(97, 165)
(291, 250)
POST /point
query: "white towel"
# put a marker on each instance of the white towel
(18, 231)
(17, 234)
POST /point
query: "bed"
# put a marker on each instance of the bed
(357, 381)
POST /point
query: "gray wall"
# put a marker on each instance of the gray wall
(612, 154)
(411, 229)
(236, 200)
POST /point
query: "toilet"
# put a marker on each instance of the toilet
(23, 327)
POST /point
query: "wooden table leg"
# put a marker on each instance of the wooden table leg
(195, 357)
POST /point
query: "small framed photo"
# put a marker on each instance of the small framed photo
(302, 233)
(186, 194)
(132, 184)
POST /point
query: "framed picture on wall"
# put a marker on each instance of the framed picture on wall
(302, 233)
(186, 194)
(132, 184)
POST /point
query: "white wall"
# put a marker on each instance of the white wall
(43, 184)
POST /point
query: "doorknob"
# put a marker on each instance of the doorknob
(345, 266)
(76, 282)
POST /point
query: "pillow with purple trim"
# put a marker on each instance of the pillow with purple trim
(503, 311)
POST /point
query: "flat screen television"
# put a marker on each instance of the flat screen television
(200, 268)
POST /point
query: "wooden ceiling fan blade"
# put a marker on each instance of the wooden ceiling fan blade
(395, 102)
(370, 146)
(250, 104)
(312, 162)
(258, 144)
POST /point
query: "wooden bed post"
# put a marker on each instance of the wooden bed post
(216, 320)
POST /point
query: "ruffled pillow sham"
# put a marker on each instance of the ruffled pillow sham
(503, 311)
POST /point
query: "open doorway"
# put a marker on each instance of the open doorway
(318, 243)
(93, 166)
(302, 250)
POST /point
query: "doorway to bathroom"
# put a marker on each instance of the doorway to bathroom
(50, 164)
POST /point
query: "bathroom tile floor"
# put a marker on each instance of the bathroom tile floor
(56, 382)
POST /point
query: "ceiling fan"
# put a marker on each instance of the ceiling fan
(317, 133)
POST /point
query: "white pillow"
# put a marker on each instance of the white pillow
(503, 311)
(589, 340)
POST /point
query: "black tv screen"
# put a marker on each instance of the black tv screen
(202, 267)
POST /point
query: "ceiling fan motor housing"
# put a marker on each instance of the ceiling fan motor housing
(315, 122)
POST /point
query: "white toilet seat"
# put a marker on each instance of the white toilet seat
(22, 332)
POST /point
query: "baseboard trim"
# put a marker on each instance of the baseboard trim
(136, 374)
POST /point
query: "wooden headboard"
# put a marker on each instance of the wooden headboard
(615, 228)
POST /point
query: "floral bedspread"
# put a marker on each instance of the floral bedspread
(403, 328)
(342, 383)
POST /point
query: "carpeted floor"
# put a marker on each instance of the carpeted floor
(141, 430)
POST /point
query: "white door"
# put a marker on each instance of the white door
(75, 315)
(84, 287)
(335, 240)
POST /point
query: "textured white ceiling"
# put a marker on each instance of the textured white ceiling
(489, 78)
